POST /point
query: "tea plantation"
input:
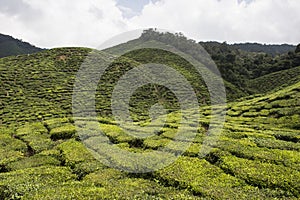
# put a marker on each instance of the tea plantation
(257, 155)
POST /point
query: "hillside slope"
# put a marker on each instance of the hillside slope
(240, 67)
(10, 46)
(280, 108)
(179, 44)
(33, 84)
(40, 86)
(274, 80)
(257, 156)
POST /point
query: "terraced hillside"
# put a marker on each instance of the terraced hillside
(43, 156)
(275, 80)
(40, 86)
(257, 156)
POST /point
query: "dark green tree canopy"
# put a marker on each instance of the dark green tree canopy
(298, 48)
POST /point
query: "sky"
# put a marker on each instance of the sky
(88, 23)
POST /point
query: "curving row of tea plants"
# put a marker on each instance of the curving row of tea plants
(257, 156)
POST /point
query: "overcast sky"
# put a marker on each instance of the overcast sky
(53, 23)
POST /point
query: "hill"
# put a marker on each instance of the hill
(188, 47)
(240, 67)
(274, 81)
(39, 86)
(10, 46)
(271, 49)
(256, 155)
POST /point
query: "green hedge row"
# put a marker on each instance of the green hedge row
(208, 180)
(15, 184)
(261, 174)
(121, 186)
(246, 148)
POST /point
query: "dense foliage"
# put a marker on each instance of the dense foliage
(265, 48)
(10, 46)
(240, 67)
(237, 67)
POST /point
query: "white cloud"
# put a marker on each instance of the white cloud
(52, 23)
(67, 23)
(269, 21)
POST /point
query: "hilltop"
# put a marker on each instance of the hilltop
(10, 46)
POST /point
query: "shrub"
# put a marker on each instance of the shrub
(38, 142)
(7, 142)
(288, 135)
(244, 149)
(74, 152)
(56, 122)
(277, 144)
(63, 132)
(8, 156)
(206, 179)
(193, 150)
(268, 175)
(30, 128)
(81, 169)
(29, 180)
(33, 161)
(104, 177)
(120, 186)
(115, 133)
(70, 190)
(52, 152)
(156, 142)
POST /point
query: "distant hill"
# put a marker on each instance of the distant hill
(10, 46)
(238, 66)
(265, 48)
(275, 80)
